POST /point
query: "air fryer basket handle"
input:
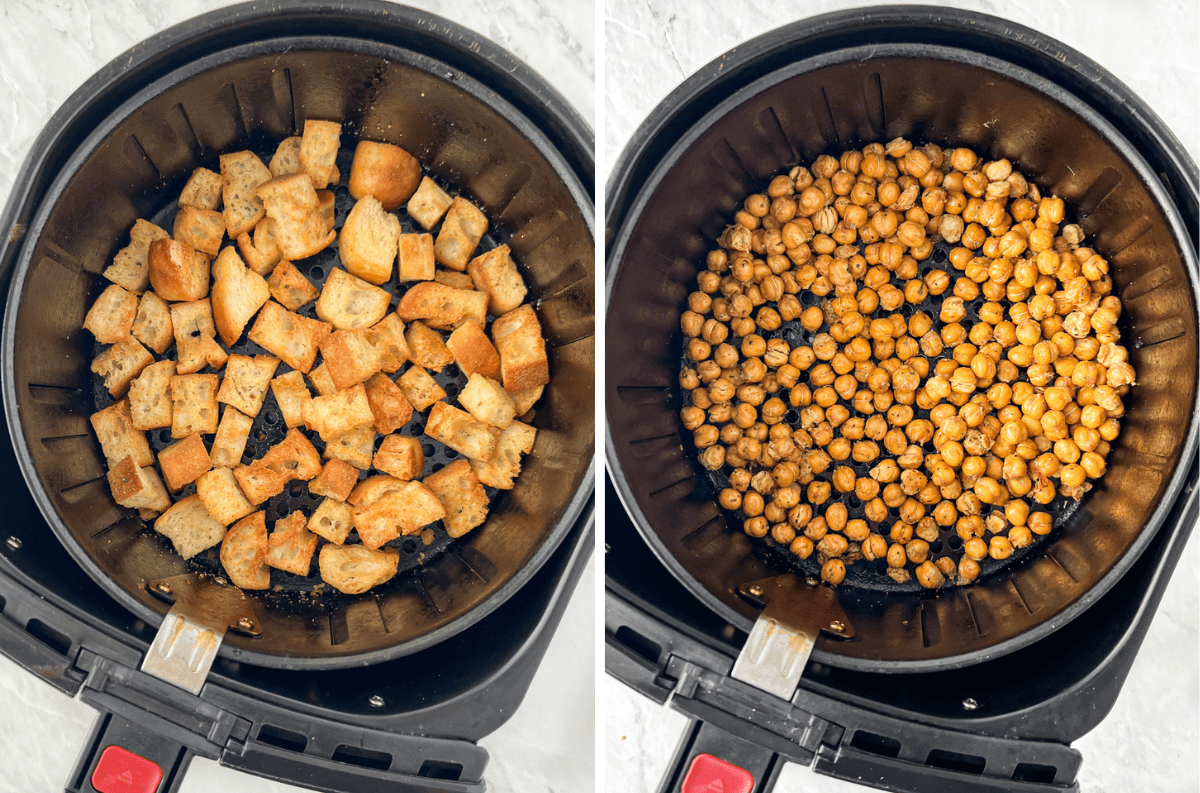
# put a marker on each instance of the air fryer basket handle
(701, 737)
(111, 733)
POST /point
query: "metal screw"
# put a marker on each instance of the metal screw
(837, 625)
(13, 543)
(246, 624)
(755, 590)
(163, 587)
(376, 701)
(221, 581)
(969, 704)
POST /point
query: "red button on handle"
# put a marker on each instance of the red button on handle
(122, 771)
(710, 774)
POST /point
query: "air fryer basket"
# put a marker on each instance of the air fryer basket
(822, 104)
(467, 136)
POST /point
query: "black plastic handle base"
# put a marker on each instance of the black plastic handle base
(110, 730)
(701, 737)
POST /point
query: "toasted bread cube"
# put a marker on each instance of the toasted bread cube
(137, 488)
(120, 363)
(373, 488)
(415, 252)
(218, 490)
(189, 527)
(335, 481)
(442, 306)
(348, 302)
(463, 498)
(262, 253)
(462, 229)
(195, 337)
(290, 547)
(332, 520)
(428, 204)
(177, 271)
(111, 317)
(193, 404)
(291, 337)
(244, 173)
(321, 380)
(392, 411)
(503, 468)
(202, 229)
(237, 294)
(525, 398)
(473, 351)
(354, 569)
(183, 462)
(131, 265)
(339, 412)
(327, 209)
(150, 396)
(387, 337)
(289, 286)
(244, 552)
(419, 388)
(401, 456)
(300, 228)
(152, 325)
(291, 394)
(230, 441)
(426, 348)
(384, 171)
(286, 160)
(453, 279)
(403, 511)
(318, 151)
(246, 381)
(118, 437)
(355, 447)
(486, 400)
(203, 191)
(460, 431)
(367, 245)
(292, 458)
(518, 339)
(496, 274)
(349, 357)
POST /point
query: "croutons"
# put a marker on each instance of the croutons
(118, 437)
(332, 520)
(290, 547)
(244, 552)
(473, 351)
(120, 363)
(354, 447)
(335, 481)
(291, 337)
(353, 569)
(286, 160)
(387, 337)
(428, 204)
(453, 279)
(246, 381)
(463, 498)
(486, 400)
(386, 172)
(318, 150)
(348, 302)
(321, 380)
(262, 254)
(111, 317)
(334, 414)
(400, 456)
(177, 272)
(203, 191)
(244, 173)
(152, 325)
(525, 398)
(131, 265)
(195, 337)
(292, 458)
(300, 228)
(460, 431)
(183, 462)
(419, 388)
(237, 294)
(189, 527)
(403, 511)
(193, 404)
(392, 411)
(442, 306)
(349, 357)
(373, 488)
(367, 245)
(201, 229)
(495, 273)
(137, 488)
(230, 441)
(415, 252)
(150, 396)
(518, 339)
(426, 348)
(291, 394)
(462, 229)
(289, 286)
(219, 492)
(503, 468)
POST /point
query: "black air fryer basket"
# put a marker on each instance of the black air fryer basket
(908, 697)
(444, 653)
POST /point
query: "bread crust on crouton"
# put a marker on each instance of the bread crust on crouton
(354, 569)
(244, 552)
(152, 325)
(244, 173)
(219, 492)
(334, 414)
(518, 338)
(110, 318)
(415, 254)
(117, 436)
(388, 403)
(289, 286)
(348, 302)
(373, 488)
(201, 229)
(189, 527)
(137, 488)
(419, 388)
(183, 462)
(300, 228)
(502, 469)
(460, 431)
(473, 351)
(291, 394)
(246, 382)
(131, 265)
(230, 441)
(462, 229)
(463, 498)
(355, 447)
(120, 363)
(292, 458)
(486, 400)
(203, 191)
(453, 279)
(261, 254)
(335, 481)
(441, 306)
(291, 337)
(367, 246)
(495, 273)
(237, 294)
(428, 204)
(401, 512)
(286, 159)
(385, 171)
(400, 456)
(177, 271)
(426, 348)
(349, 357)
(290, 547)
(387, 337)
(318, 150)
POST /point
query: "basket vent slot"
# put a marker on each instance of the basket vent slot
(436, 769)
(356, 755)
(284, 739)
(59, 642)
(641, 645)
(954, 761)
(1032, 772)
(875, 744)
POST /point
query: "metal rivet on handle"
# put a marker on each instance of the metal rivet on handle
(376, 701)
(969, 704)
(13, 543)
(755, 590)
(163, 587)
(837, 625)
(246, 624)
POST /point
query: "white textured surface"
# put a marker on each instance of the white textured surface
(1148, 742)
(47, 50)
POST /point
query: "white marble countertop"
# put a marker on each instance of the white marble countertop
(1148, 742)
(548, 744)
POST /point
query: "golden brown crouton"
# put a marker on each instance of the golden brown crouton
(453, 279)
(183, 462)
(244, 173)
(152, 325)
(403, 511)
(415, 252)
(367, 245)
(462, 229)
(246, 381)
(137, 488)
(354, 447)
(203, 191)
(292, 458)
(419, 388)
(373, 488)
(442, 306)
(290, 337)
(336, 480)
(219, 492)
(525, 398)
(332, 520)
(189, 527)
(230, 441)
(177, 272)
(193, 404)
(496, 274)
(286, 160)
(262, 254)
(473, 351)
(353, 569)
(290, 547)
(131, 266)
(503, 468)
(349, 357)
(428, 204)
(460, 431)
(111, 317)
(518, 339)
(401, 456)
(244, 552)
(150, 396)
(384, 171)
(202, 229)
(289, 286)
(118, 437)
(348, 302)
(195, 332)
(300, 229)
(318, 150)
(327, 209)
(426, 348)
(486, 400)
(387, 337)
(337, 413)
(291, 394)
(120, 363)
(464, 499)
(392, 411)
(237, 294)
(321, 380)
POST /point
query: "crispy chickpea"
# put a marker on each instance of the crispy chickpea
(1040, 523)
(756, 527)
(730, 499)
(802, 547)
(1000, 547)
(833, 572)
(930, 576)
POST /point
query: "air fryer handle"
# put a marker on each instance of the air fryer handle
(108, 751)
(703, 738)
